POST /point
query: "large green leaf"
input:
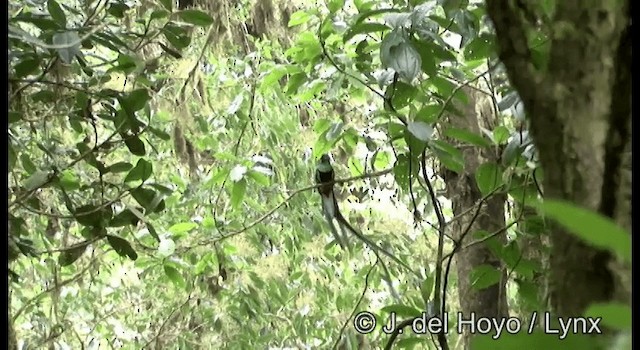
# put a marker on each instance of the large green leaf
(614, 315)
(69, 43)
(195, 17)
(142, 171)
(488, 177)
(402, 310)
(592, 227)
(299, 17)
(399, 54)
(237, 192)
(135, 145)
(149, 199)
(485, 276)
(174, 275)
(70, 256)
(467, 136)
(57, 13)
(122, 247)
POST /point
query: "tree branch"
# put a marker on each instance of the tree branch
(513, 47)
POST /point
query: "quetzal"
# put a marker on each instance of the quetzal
(326, 176)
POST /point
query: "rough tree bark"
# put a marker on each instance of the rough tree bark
(579, 111)
(464, 194)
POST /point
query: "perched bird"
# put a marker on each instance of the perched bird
(326, 176)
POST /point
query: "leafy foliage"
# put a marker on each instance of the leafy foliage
(161, 188)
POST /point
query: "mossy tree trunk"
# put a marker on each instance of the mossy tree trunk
(579, 112)
(474, 214)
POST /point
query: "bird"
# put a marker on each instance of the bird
(325, 177)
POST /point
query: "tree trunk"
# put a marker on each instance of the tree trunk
(579, 110)
(465, 196)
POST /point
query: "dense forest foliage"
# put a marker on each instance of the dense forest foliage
(168, 190)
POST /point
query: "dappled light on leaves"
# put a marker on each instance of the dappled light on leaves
(169, 184)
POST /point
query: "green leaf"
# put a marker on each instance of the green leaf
(448, 155)
(26, 67)
(401, 56)
(401, 94)
(429, 65)
(528, 293)
(334, 132)
(69, 181)
(295, 81)
(409, 343)
(148, 199)
(426, 288)
(43, 23)
(167, 4)
(237, 192)
(500, 135)
(158, 14)
(467, 136)
(479, 48)
(402, 310)
(135, 146)
(12, 157)
(91, 215)
(420, 130)
(126, 64)
(401, 170)
(416, 135)
(592, 227)
(508, 101)
(27, 164)
(176, 35)
(122, 247)
(14, 117)
(69, 43)
(69, 256)
(182, 227)
(119, 167)
(195, 17)
(488, 177)
(159, 133)
(364, 28)
(428, 114)
(37, 180)
(117, 9)
(57, 13)
(298, 18)
(355, 166)
(511, 152)
(124, 218)
(614, 315)
(174, 275)
(259, 177)
(153, 232)
(335, 5)
(484, 276)
(142, 171)
(135, 100)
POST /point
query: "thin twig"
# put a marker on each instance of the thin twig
(164, 323)
(51, 289)
(285, 201)
(355, 308)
